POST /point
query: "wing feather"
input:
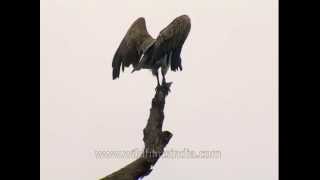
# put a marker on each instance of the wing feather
(171, 39)
(131, 47)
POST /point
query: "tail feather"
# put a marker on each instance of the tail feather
(115, 73)
(116, 64)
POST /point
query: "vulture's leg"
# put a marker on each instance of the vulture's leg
(164, 70)
(163, 78)
(155, 72)
(158, 79)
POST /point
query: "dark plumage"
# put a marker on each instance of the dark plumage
(142, 51)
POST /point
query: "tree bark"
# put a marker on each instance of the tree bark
(154, 139)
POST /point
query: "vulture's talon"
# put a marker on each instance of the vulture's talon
(168, 84)
(164, 83)
(158, 87)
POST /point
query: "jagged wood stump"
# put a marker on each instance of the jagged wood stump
(154, 139)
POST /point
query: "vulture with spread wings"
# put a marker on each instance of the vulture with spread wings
(142, 51)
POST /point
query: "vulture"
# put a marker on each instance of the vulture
(139, 49)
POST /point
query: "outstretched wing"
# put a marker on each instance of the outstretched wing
(170, 41)
(131, 47)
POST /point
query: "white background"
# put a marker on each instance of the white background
(224, 99)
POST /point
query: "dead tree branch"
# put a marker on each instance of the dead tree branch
(154, 139)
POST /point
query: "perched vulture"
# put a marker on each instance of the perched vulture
(142, 51)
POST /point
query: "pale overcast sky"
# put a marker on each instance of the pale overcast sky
(225, 99)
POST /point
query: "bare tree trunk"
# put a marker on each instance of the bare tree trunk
(154, 139)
